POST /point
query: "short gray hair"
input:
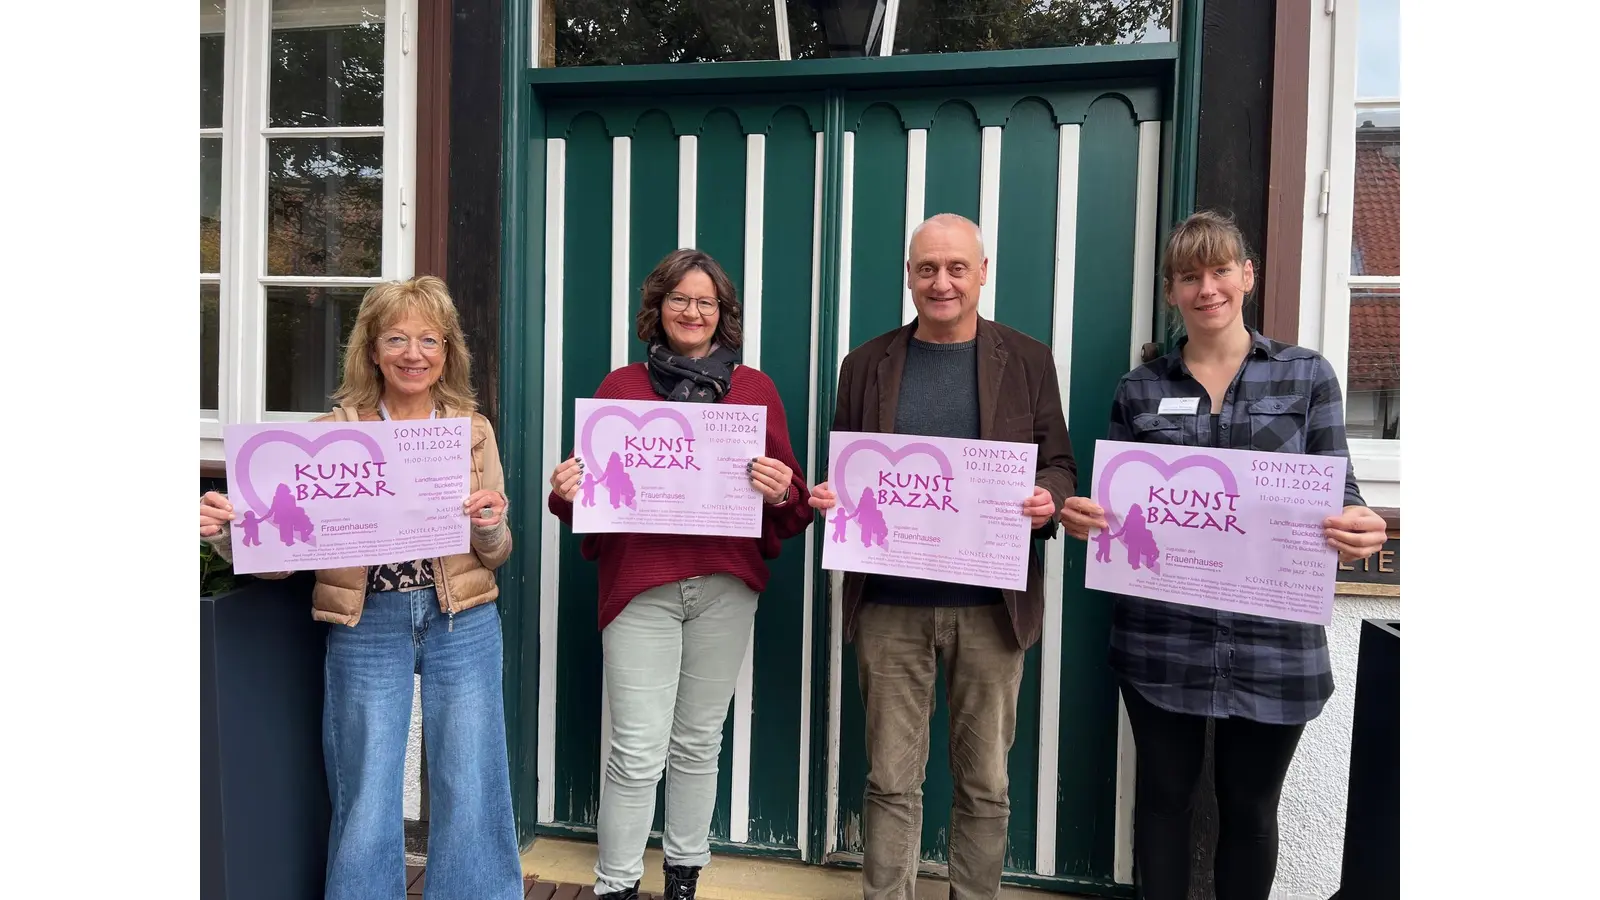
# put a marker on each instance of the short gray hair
(948, 219)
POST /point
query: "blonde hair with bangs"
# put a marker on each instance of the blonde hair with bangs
(383, 306)
(1203, 240)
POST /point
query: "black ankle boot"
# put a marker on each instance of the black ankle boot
(680, 881)
(631, 893)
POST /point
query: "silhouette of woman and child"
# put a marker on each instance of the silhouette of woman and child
(1135, 535)
(618, 485)
(869, 521)
(290, 519)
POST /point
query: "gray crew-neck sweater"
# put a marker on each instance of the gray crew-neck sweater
(939, 397)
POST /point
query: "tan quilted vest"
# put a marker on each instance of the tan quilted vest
(463, 581)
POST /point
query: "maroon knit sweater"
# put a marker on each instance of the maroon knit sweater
(631, 564)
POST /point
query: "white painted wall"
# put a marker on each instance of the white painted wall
(1311, 819)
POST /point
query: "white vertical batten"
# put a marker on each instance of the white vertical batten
(743, 692)
(551, 455)
(1144, 238)
(807, 605)
(755, 206)
(1122, 831)
(989, 213)
(621, 330)
(1141, 331)
(621, 228)
(688, 188)
(916, 203)
(847, 208)
(1055, 551)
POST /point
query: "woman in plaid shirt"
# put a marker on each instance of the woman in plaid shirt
(1260, 679)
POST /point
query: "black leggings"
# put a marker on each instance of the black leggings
(1251, 760)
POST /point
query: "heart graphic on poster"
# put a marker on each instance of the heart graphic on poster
(1135, 534)
(871, 526)
(894, 458)
(283, 512)
(586, 439)
(613, 475)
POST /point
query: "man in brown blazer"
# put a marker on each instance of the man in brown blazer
(954, 374)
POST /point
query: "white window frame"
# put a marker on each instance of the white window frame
(242, 360)
(1329, 212)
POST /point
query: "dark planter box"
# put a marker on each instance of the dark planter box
(264, 808)
(1371, 868)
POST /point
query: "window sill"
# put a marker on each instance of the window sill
(1377, 467)
(212, 453)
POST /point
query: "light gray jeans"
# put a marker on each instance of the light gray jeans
(672, 658)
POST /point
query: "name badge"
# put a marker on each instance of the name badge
(1179, 406)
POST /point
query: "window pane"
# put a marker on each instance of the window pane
(819, 29)
(210, 342)
(327, 63)
(211, 70)
(608, 32)
(1372, 409)
(325, 206)
(210, 205)
(1375, 226)
(806, 37)
(1378, 49)
(946, 26)
(306, 331)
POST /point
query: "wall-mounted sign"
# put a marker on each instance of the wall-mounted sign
(1377, 575)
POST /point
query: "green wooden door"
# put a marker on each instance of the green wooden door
(1063, 180)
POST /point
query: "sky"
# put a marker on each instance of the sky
(1378, 52)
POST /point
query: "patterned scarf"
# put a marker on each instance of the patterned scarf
(687, 380)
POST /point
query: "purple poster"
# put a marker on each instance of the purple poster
(930, 507)
(655, 467)
(324, 495)
(1231, 530)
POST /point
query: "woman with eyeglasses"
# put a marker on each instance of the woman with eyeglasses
(436, 618)
(676, 612)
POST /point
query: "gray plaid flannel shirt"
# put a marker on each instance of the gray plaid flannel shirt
(1192, 660)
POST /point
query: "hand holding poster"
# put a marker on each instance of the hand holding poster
(655, 467)
(930, 507)
(325, 495)
(1232, 530)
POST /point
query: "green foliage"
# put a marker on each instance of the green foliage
(216, 575)
(949, 26)
(605, 32)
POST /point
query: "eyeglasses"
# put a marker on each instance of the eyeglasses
(394, 344)
(680, 302)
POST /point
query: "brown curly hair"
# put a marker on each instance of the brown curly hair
(666, 275)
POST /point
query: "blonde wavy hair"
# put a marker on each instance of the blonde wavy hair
(385, 305)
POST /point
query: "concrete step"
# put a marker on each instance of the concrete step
(731, 877)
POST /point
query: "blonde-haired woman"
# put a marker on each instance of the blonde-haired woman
(407, 359)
